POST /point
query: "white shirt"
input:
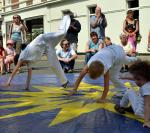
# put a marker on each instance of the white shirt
(108, 56)
(62, 54)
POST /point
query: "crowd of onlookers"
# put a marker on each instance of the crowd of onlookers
(68, 51)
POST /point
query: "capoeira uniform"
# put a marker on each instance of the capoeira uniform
(113, 57)
(136, 100)
(46, 43)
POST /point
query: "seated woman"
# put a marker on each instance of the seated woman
(66, 56)
(92, 46)
(10, 54)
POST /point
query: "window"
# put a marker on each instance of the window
(35, 27)
(91, 11)
(134, 5)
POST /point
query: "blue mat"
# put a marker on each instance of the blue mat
(46, 108)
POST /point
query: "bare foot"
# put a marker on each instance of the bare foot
(102, 100)
(7, 84)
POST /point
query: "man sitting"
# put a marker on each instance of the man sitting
(66, 56)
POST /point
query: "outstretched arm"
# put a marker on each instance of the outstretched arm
(76, 85)
(106, 88)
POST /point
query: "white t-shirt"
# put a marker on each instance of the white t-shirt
(63, 54)
(127, 48)
(143, 91)
(108, 56)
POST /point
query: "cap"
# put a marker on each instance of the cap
(10, 42)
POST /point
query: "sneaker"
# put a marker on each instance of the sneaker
(65, 84)
(119, 109)
(66, 69)
(129, 109)
(70, 71)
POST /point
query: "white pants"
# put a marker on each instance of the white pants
(114, 72)
(52, 40)
(132, 98)
(55, 65)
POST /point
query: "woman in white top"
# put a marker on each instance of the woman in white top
(44, 43)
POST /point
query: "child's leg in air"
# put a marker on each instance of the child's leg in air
(53, 38)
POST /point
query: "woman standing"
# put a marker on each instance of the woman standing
(17, 33)
(131, 28)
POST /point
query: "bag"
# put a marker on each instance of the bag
(138, 38)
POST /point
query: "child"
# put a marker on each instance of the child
(10, 54)
(139, 103)
(131, 38)
(107, 61)
(128, 49)
(44, 43)
(66, 56)
(2, 57)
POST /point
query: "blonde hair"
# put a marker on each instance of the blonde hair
(96, 69)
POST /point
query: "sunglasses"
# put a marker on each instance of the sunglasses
(15, 17)
(66, 44)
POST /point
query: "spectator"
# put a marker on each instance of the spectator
(2, 57)
(129, 50)
(131, 28)
(66, 56)
(17, 33)
(98, 23)
(93, 46)
(72, 33)
(10, 54)
(148, 47)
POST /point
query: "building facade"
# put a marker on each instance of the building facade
(44, 16)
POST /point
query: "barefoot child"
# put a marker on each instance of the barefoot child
(139, 103)
(44, 43)
(107, 61)
(10, 54)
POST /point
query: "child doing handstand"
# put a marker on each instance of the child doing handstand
(44, 43)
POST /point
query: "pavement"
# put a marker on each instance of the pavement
(47, 108)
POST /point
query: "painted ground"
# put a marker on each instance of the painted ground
(46, 108)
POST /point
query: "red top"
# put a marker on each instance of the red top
(1, 51)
